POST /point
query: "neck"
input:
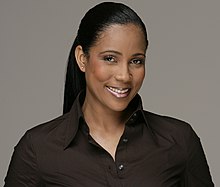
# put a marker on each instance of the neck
(105, 125)
(99, 118)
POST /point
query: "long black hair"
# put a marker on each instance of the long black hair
(95, 21)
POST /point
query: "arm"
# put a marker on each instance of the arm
(23, 170)
(197, 172)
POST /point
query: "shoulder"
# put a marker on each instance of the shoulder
(48, 126)
(45, 132)
(170, 128)
(167, 122)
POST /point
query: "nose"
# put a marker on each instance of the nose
(123, 73)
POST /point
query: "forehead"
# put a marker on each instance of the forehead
(121, 37)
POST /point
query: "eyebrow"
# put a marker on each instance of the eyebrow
(118, 53)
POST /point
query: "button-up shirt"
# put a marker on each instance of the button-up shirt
(154, 151)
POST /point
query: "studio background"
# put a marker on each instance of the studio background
(183, 65)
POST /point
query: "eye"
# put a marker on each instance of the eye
(137, 61)
(109, 58)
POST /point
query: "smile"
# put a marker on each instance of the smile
(118, 92)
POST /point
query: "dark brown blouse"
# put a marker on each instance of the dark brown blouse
(154, 151)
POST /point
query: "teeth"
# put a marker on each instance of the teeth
(119, 91)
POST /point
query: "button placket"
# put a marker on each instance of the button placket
(121, 170)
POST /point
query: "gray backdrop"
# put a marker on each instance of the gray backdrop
(182, 65)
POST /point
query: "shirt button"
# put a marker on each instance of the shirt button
(121, 167)
(125, 140)
(135, 115)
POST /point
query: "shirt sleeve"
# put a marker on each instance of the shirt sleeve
(23, 170)
(197, 172)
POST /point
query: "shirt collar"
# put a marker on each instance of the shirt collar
(75, 114)
(73, 120)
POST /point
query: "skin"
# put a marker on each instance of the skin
(114, 72)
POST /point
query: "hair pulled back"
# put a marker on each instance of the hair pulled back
(95, 21)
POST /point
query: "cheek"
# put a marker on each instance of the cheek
(101, 74)
(139, 76)
(99, 71)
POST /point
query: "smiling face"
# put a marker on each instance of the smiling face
(115, 67)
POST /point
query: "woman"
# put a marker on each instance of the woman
(105, 138)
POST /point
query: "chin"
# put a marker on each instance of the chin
(118, 107)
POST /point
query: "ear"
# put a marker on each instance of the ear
(80, 58)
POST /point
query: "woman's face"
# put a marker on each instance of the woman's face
(115, 67)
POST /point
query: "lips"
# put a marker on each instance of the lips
(118, 92)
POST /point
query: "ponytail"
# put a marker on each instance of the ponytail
(75, 80)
